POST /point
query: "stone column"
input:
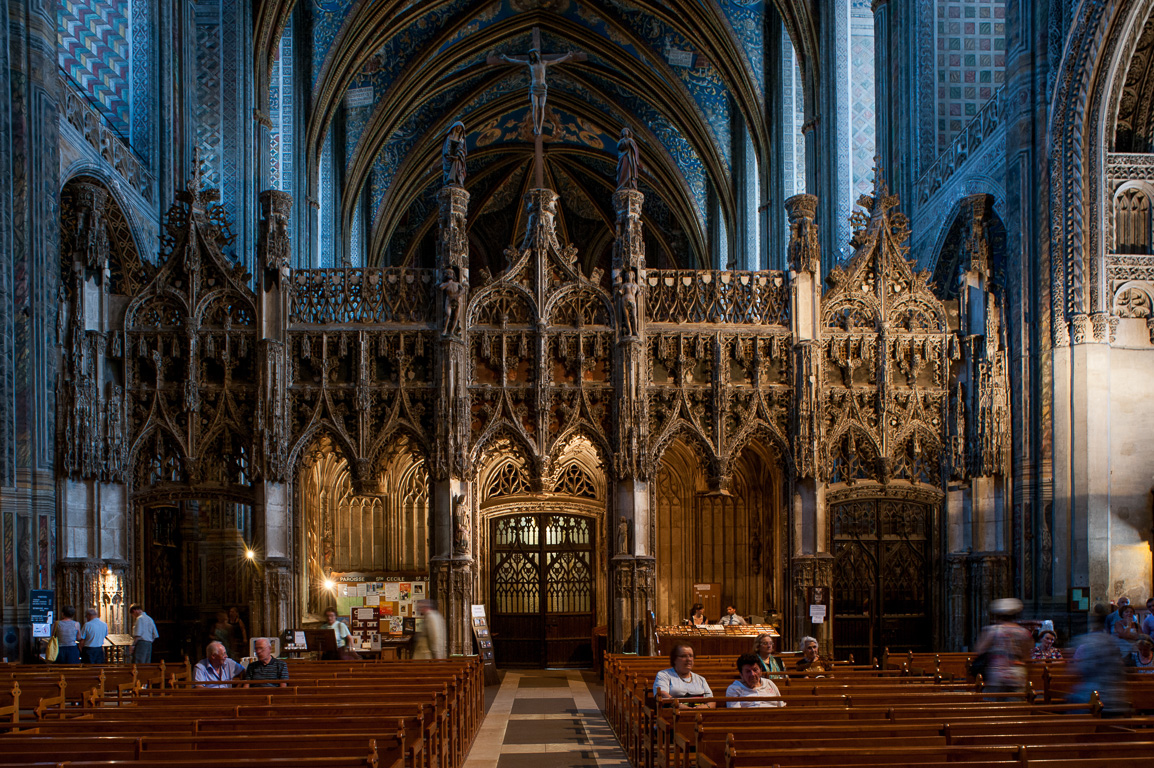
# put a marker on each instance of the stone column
(455, 510)
(808, 527)
(273, 608)
(632, 564)
(272, 593)
(29, 276)
(957, 603)
(810, 570)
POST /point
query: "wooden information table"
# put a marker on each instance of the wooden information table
(713, 639)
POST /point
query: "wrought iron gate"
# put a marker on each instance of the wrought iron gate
(543, 601)
(881, 578)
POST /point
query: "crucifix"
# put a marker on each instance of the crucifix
(537, 62)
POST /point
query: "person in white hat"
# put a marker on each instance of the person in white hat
(1007, 646)
(1045, 650)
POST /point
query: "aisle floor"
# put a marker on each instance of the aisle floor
(543, 719)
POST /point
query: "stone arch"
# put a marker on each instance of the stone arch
(483, 303)
(579, 305)
(681, 478)
(580, 466)
(157, 458)
(374, 525)
(1132, 218)
(123, 238)
(951, 248)
(1091, 80)
(853, 455)
(691, 435)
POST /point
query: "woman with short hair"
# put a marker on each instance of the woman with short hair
(679, 681)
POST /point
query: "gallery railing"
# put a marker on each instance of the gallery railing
(716, 296)
(362, 295)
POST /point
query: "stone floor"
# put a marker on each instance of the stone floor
(545, 719)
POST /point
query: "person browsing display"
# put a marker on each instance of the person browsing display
(679, 681)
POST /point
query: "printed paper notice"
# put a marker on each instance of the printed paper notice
(392, 593)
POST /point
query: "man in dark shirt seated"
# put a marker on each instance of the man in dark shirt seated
(811, 660)
(266, 667)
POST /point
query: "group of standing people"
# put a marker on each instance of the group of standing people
(229, 630)
(84, 643)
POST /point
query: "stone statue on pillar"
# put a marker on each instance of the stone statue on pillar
(453, 156)
(628, 161)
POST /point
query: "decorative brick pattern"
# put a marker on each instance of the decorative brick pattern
(863, 125)
(93, 51)
(970, 46)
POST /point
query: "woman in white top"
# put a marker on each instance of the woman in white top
(679, 681)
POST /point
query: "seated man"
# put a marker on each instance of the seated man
(810, 660)
(751, 684)
(731, 619)
(266, 667)
(217, 667)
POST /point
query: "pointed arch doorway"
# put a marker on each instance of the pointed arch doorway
(543, 591)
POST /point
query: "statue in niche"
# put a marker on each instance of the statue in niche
(461, 529)
(627, 292)
(628, 161)
(623, 536)
(453, 156)
(454, 306)
(803, 245)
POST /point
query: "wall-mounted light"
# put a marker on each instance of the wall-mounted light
(330, 584)
(251, 555)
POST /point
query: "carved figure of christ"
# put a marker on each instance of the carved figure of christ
(537, 63)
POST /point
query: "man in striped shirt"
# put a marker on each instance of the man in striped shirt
(266, 667)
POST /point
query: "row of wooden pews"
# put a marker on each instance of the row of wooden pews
(391, 714)
(907, 712)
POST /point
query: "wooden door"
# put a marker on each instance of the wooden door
(881, 577)
(542, 601)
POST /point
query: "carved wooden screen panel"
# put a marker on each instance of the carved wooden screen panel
(543, 599)
(881, 576)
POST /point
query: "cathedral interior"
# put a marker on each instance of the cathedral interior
(773, 294)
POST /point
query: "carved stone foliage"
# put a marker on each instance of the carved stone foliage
(720, 388)
(886, 363)
(397, 295)
(540, 339)
(361, 387)
(191, 356)
(717, 296)
(95, 246)
(81, 116)
(964, 145)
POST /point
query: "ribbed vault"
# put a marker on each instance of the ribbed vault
(679, 74)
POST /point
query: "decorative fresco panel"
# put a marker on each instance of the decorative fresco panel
(970, 50)
(93, 51)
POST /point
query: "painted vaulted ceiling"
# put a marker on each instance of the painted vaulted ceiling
(389, 77)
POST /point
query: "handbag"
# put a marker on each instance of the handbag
(979, 665)
(53, 650)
